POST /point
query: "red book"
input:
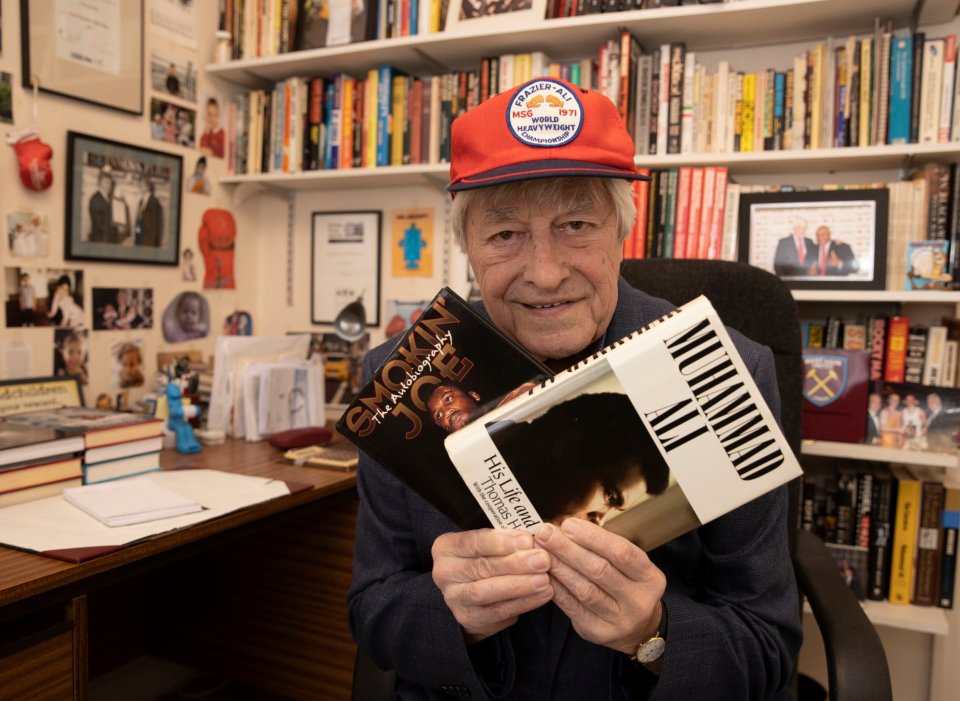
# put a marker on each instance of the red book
(636, 244)
(835, 384)
(693, 224)
(897, 330)
(715, 231)
(683, 212)
(706, 211)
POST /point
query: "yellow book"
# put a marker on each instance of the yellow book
(866, 87)
(816, 96)
(370, 119)
(346, 124)
(522, 68)
(398, 118)
(747, 111)
(435, 16)
(904, 536)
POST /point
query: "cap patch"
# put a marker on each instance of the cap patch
(546, 113)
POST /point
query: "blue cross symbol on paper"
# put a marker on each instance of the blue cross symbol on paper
(412, 243)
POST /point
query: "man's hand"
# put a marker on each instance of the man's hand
(489, 577)
(605, 584)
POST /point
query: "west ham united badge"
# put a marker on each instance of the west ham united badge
(824, 378)
(545, 113)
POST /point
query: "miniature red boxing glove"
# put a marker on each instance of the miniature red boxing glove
(34, 158)
(216, 237)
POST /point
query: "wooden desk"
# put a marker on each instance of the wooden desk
(257, 595)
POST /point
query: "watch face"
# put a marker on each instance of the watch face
(651, 650)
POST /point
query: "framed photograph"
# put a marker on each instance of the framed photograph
(345, 265)
(88, 51)
(123, 202)
(817, 240)
(471, 15)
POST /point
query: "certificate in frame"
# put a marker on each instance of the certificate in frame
(91, 52)
(346, 264)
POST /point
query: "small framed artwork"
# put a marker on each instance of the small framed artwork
(123, 202)
(818, 239)
(88, 51)
(36, 393)
(345, 266)
(473, 15)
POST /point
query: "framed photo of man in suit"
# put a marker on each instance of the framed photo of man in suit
(817, 239)
(474, 15)
(123, 202)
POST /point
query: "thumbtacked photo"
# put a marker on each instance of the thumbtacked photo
(44, 297)
(127, 358)
(28, 235)
(70, 353)
(118, 309)
(172, 123)
(187, 317)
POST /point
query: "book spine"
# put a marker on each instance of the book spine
(683, 212)
(927, 578)
(747, 116)
(384, 105)
(895, 367)
(866, 90)
(901, 74)
(950, 522)
(884, 506)
(675, 97)
(864, 509)
(916, 65)
(934, 359)
(931, 88)
(946, 94)
(916, 352)
(717, 221)
(877, 327)
(905, 525)
(706, 211)
(696, 203)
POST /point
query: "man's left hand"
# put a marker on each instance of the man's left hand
(605, 584)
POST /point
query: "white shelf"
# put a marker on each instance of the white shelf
(874, 453)
(702, 27)
(922, 296)
(922, 619)
(820, 160)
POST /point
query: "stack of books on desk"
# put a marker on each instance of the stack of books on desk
(114, 444)
(37, 461)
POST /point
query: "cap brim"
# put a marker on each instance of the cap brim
(531, 170)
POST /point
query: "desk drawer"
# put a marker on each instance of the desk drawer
(39, 659)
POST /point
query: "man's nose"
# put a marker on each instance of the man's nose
(546, 264)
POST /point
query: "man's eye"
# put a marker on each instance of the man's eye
(503, 236)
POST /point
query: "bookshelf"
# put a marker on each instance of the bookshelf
(874, 453)
(751, 28)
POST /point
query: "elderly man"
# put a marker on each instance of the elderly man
(542, 203)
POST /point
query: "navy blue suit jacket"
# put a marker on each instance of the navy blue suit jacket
(733, 624)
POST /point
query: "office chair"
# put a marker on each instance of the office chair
(760, 306)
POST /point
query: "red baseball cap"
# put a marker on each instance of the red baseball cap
(545, 128)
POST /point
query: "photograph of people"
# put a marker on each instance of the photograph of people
(64, 309)
(942, 425)
(914, 423)
(101, 208)
(891, 422)
(187, 317)
(564, 612)
(70, 354)
(213, 136)
(148, 222)
(198, 183)
(833, 257)
(874, 404)
(28, 236)
(27, 299)
(796, 253)
(451, 407)
(128, 364)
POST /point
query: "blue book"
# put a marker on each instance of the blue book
(414, 17)
(328, 124)
(901, 81)
(384, 103)
(779, 87)
(280, 114)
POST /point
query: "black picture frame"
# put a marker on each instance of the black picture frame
(345, 264)
(98, 61)
(128, 232)
(857, 224)
(19, 396)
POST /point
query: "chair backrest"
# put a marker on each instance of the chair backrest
(754, 302)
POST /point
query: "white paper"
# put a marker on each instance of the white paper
(53, 524)
(125, 502)
(174, 20)
(88, 33)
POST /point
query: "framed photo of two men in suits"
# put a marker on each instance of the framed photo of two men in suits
(817, 239)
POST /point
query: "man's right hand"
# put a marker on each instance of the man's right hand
(489, 577)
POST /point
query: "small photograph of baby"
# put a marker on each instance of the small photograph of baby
(44, 297)
(172, 123)
(187, 317)
(70, 353)
(28, 235)
(127, 358)
(122, 308)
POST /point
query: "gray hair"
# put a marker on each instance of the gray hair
(604, 192)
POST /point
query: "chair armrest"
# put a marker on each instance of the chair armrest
(856, 662)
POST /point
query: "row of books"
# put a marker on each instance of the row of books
(900, 350)
(260, 28)
(892, 531)
(890, 88)
(44, 452)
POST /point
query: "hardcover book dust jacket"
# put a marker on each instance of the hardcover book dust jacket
(451, 366)
(657, 434)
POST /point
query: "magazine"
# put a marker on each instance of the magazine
(658, 433)
(449, 367)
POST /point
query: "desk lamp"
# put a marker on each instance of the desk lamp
(351, 321)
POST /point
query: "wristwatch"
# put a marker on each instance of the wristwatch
(652, 649)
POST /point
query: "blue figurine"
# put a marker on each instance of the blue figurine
(412, 243)
(177, 422)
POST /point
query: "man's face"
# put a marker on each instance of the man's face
(823, 235)
(547, 271)
(608, 501)
(451, 408)
(799, 228)
(213, 116)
